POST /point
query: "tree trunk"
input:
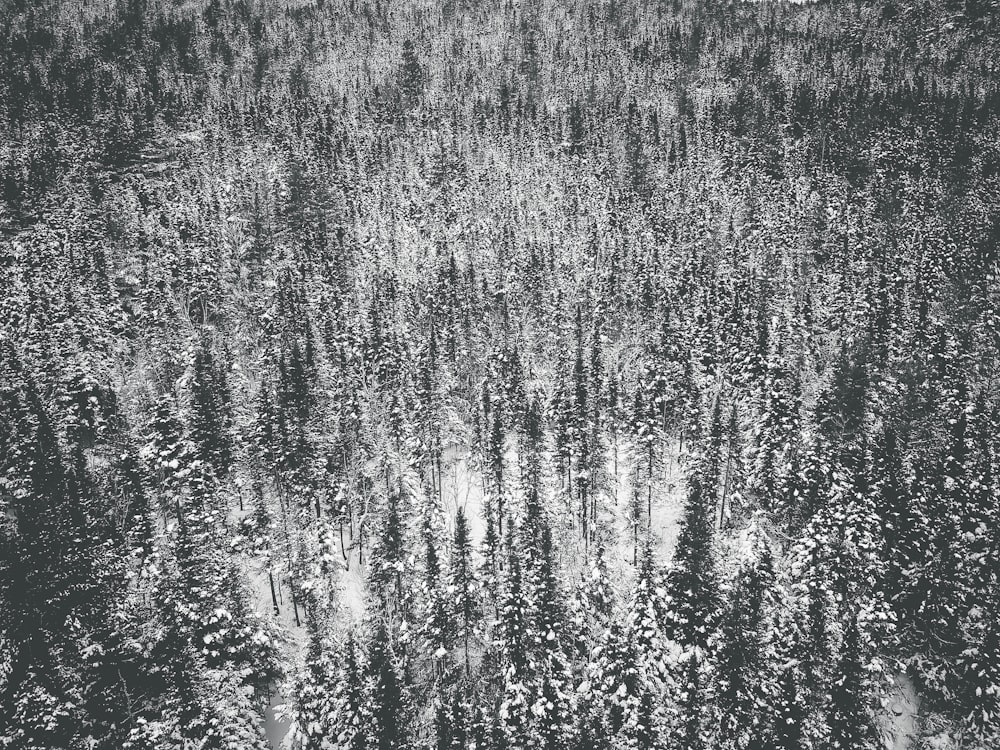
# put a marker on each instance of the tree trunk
(614, 454)
(274, 596)
(466, 637)
(649, 490)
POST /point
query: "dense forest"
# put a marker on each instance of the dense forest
(564, 375)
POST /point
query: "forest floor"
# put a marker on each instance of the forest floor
(902, 711)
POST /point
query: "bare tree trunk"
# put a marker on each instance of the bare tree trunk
(569, 475)
(295, 604)
(274, 596)
(593, 514)
(614, 454)
(635, 533)
(433, 483)
(649, 490)
(440, 490)
(466, 634)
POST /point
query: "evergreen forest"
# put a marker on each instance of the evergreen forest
(499, 375)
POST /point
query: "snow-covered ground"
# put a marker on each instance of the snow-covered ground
(902, 707)
(276, 722)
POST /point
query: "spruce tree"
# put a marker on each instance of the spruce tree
(58, 576)
(850, 718)
(744, 668)
(352, 727)
(463, 587)
(693, 583)
(514, 641)
(386, 696)
(211, 417)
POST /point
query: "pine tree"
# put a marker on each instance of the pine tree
(57, 573)
(438, 624)
(166, 450)
(790, 711)
(733, 472)
(892, 505)
(980, 665)
(463, 587)
(711, 462)
(211, 417)
(515, 647)
(532, 444)
(851, 723)
(693, 707)
(693, 583)
(386, 564)
(314, 709)
(594, 602)
(628, 676)
(388, 708)
(779, 424)
(647, 424)
(743, 664)
(494, 458)
(352, 722)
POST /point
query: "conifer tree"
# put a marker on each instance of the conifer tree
(167, 450)
(744, 668)
(851, 724)
(980, 687)
(386, 694)
(438, 625)
(515, 647)
(693, 705)
(313, 713)
(790, 710)
(646, 421)
(387, 559)
(732, 473)
(628, 677)
(58, 577)
(693, 583)
(778, 426)
(352, 720)
(211, 418)
(463, 587)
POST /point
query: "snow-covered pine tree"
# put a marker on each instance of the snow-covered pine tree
(745, 661)
(464, 595)
(850, 717)
(692, 614)
(210, 421)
